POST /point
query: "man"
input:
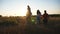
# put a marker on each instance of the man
(45, 17)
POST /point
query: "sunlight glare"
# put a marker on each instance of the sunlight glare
(22, 11)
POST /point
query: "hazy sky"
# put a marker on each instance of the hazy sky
(19, 7)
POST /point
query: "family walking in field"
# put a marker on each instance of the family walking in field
(38, 17)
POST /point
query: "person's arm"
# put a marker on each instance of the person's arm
(43, 16)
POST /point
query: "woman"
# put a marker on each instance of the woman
(38, 16)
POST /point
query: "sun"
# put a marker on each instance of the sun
(22, 11)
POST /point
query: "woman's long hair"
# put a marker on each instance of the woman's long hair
(38, 12)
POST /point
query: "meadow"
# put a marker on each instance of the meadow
(19, 25)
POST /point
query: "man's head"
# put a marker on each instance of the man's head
(44, 11)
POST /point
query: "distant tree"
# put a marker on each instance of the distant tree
(0, 15)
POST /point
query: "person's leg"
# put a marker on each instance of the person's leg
(43, 21)
(46, 21)
(39, 21)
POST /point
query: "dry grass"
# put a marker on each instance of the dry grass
(22, 27)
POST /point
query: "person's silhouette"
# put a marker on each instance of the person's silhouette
(38, 16)
(45, 17)
(28, 14)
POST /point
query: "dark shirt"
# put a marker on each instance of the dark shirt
(45, 16)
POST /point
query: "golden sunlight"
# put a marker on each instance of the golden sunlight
(22, 11)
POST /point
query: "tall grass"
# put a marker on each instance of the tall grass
(23, 28)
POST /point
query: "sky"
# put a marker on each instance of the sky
(19, 7)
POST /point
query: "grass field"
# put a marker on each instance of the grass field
(18, 25)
